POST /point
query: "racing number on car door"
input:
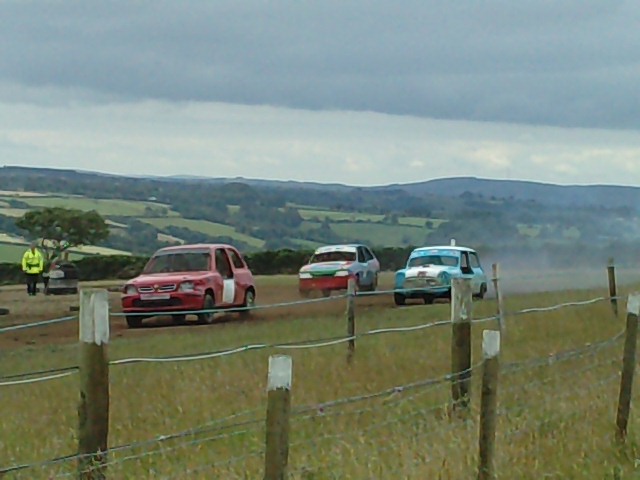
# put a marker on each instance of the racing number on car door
(226, 272)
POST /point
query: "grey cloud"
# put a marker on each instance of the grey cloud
(572, 63)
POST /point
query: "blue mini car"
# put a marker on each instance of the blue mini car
(429, 271)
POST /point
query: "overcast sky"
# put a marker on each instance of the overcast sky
(332, 91)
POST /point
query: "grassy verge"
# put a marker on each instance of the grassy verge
(556, 418)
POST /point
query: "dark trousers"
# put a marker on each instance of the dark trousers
(32, 282)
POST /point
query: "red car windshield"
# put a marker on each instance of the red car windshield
(178, 262)
(333, 257)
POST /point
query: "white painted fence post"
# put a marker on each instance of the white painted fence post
(278, 409)
(93, 410)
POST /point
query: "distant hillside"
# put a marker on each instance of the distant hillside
(146, 212)
(565, 195)
(610, 196)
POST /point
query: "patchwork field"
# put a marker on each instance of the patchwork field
(209, 228)
(104, 207)
(374, 431)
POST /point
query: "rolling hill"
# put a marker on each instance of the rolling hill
(145, 213)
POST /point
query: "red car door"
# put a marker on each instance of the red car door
(241, 274)
(229, 294)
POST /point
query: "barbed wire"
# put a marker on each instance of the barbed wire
(216, 425)
(294, 345)
(13, 328)
(323, 406)
(35, 380)
(563, 355)
(331, 298)
(560, 306)
(165, 450)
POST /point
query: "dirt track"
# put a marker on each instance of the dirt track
(24, 309)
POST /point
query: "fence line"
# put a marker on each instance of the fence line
(332, 298)
(52, 374)
(393, 395)
(321, 408)
(43, 323)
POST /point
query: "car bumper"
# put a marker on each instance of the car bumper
(419, 292)
(173, 302)
(323, 283)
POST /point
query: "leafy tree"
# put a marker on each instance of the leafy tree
(60, 229)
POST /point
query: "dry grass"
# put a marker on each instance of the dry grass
(557, 420)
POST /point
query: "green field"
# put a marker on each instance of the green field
(420, 221)
(309, 214)
(12, 212)
(106, 207)
(203, 226)
(556, 418)
(12, 253)
(383, 234)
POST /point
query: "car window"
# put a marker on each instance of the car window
(361, 256)
(422, 260)
(475, 261)
(193, 261)
(367, 254)
(333, 257)
(464, 261)
(222, 264)
(235, 258)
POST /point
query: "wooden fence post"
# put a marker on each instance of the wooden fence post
(488, 403)
(93, 410)
(613, 289)
(628, 366)
(499, 299)
(461, 310)
(351, 319)
(278, 408)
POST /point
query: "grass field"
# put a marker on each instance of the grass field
(309, 214)
(11, 252)
(382, 234)
(105, 207)
(209, 228)
(12, 212)
(556, 418)
(334, 216)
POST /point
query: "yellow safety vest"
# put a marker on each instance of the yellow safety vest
(32, 262)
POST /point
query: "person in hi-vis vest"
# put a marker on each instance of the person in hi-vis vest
(32, 266)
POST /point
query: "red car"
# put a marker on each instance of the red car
(188, 278)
